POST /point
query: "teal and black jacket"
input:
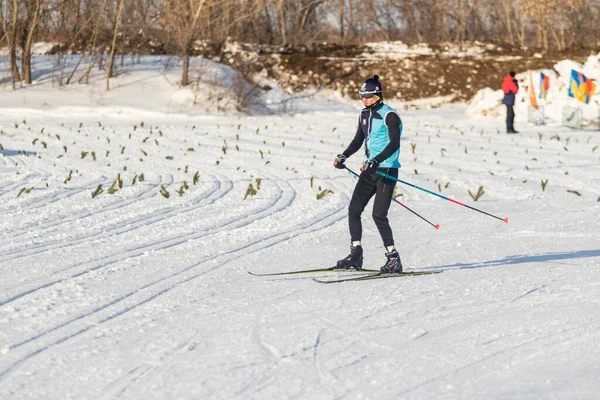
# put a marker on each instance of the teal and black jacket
(380, 127)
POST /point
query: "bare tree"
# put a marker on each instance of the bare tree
(3, 16)
(566, 31)
(341, 14)
(176, 26)
(411, 14)
(308, 27)
(33, 9)
(95, 31)
(269, 35)
(182, 19)
(111, 58)
(459, 18)
(282, 19)
(81, 28)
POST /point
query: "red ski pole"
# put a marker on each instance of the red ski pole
(436, 226)
(440, 196)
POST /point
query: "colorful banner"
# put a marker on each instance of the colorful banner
(544, 85)
(532, 97)
(580, 87)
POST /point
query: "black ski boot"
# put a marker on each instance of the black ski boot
(354, 260)
(393, 264)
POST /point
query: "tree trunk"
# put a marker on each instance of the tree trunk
(92, 55)
(282, 22)
(269, 25)
(408, 11)
(507, 8)
(306, 17)
(559, 39)
(74, 69)
(523, 35)
(342, 32)
(185, 74)
(93, 48)
(545, 39)
(350, 25)
(12, 45)
(26, 65)
(111, 59)
(465, 16)
(64, 64)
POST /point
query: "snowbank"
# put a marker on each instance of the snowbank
(397, 50)
(38, 48)
(151, 84)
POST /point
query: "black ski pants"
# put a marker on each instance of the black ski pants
(383, 189)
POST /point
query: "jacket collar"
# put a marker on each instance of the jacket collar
(376, 106)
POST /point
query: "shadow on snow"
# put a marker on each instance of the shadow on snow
(524, 259)
(8, 152)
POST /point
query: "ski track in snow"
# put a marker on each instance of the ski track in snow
(164, 243)
(153, 292)
(118, 227)
(66, 217)
(100, 315)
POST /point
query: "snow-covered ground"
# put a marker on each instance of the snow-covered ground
(133, 295)
(150, 84)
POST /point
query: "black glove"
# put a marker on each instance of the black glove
(339, 161)
(370, 167)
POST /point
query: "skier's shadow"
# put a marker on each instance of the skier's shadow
(8, 152)
(522, 259)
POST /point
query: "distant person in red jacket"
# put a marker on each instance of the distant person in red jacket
(510, 87)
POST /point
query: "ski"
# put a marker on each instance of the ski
(310, 271)
(378, 275)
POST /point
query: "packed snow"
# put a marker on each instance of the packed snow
(397, 50)
(110, 289)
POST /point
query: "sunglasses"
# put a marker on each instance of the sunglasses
(367, 95)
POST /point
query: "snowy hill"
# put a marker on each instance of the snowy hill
(110, 289)
(150, 84)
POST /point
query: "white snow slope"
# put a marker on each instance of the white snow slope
(132, 295)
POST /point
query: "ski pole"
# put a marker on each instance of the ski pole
(440, 196)
(436, 226)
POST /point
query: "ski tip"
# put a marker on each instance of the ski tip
(437, 227)
(505, 220)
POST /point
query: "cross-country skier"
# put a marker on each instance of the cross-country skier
(380, 127)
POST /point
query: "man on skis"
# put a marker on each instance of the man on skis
(380, 127)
